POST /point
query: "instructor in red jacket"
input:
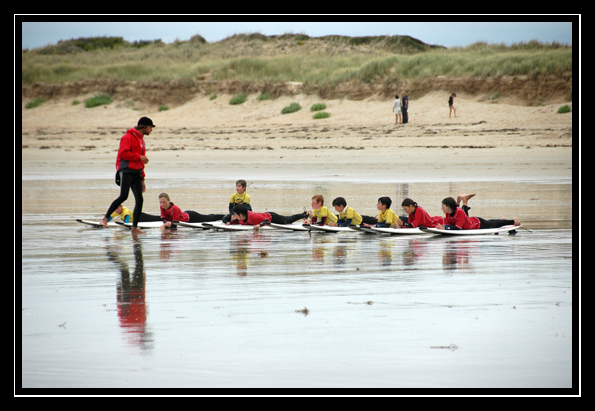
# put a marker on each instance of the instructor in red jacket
(130, 164)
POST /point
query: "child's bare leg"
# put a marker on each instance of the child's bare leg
(464, 198)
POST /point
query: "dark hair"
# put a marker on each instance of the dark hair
(240, 209)
(408, 202)
(144, 121)
(450, 203)
(385, 201)
(241, 182)
(339, 201)
(397, 96)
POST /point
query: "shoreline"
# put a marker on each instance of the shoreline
(374, 165)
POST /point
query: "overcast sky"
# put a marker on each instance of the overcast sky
(449, 34)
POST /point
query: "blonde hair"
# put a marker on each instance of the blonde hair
(164, 195)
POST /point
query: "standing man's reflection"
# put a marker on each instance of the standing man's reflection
(132, 308)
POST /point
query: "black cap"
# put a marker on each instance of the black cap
(146, 121)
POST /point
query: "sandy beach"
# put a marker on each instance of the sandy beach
(205, 138)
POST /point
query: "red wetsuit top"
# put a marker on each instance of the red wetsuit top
(421, 218)
(461, 221)
(254, 218)
(132, 147)
(174, 213)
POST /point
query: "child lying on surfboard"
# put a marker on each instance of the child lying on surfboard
(417, 216)
(241, 215)
(171, 212)
(348, 216)
(457, 218)
(320, 214)
(126, 215)
(387, 217)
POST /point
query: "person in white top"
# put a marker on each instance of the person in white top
(397, 110)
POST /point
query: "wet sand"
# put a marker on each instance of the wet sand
(200, 309)
(187, 308)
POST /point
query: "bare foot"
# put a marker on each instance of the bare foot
(516, 221)
(466, 197)
(103, 222)
(136, 231)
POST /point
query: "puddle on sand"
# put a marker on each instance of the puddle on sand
(191, 308)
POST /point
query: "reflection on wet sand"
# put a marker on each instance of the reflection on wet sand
(131, 296)
(457, 254)
(247, 245)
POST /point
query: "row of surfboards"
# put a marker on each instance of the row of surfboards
(307, 227)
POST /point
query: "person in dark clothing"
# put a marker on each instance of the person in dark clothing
(130, 166)
(404, 107)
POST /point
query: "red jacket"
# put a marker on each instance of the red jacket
(132, 146)
(421, 218)
(461, 220)
(174, 213)
(254, 218)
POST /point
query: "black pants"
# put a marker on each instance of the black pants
(494, 223)
(405, 117)
(489, 223)
(203, 218)
(144, 218)
(279, 219)
(134, 182)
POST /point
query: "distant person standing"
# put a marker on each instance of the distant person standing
(397, 109)
(130, 166)
(451, 105)
(404, 107)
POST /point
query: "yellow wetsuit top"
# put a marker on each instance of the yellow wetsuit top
(123, 215)
(236, 199)
(243, 198)
(388, 217)
(350, 214)
(323, 216)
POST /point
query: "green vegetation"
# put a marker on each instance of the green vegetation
(318, 107)
(264, 96)
(98, 100)
(292, 108)
(238, 98)
(321, 114)
(564, 109)
(37, 102)
(328, 60)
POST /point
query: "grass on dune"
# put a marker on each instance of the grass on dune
(302, 59)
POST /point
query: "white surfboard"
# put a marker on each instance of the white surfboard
(143, 224)
(234, 227)
(326, 228)
(479, 231)
(288, 227)
(398, 231)
(96, 223)
(192, 225)
(368, 230)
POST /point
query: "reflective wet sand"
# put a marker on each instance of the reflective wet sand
(189, 308)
